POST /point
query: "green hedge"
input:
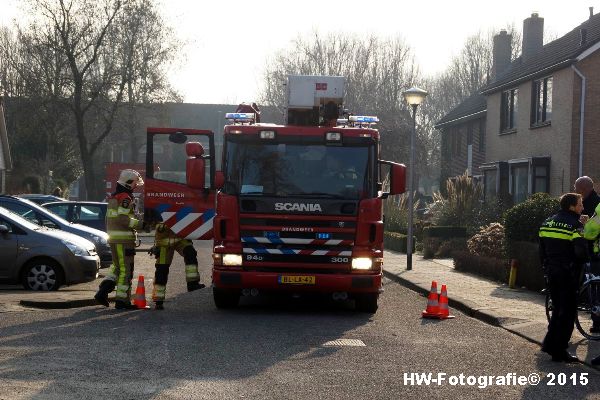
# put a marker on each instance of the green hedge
(522, 222)
(396, 241)
(489, 267)
(444, 232)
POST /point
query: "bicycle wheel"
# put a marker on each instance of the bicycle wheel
(588, 308)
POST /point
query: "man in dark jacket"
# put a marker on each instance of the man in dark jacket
(563, 251)
(584, 185)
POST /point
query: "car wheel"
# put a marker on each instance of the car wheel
(42, 275)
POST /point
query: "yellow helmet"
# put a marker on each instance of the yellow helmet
(130, 178)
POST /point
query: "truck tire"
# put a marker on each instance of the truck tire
(226, 298)
(366, 302)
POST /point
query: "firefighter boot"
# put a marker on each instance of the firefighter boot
(158, 305)
(101, 295)
(191, 286)
(124, 305)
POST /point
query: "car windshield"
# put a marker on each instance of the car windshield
(284, 169)
(14, 217)
(51, 219)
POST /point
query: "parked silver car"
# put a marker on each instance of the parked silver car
(42, 258)
(39, 215)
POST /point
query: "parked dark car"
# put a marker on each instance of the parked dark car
(41, 258)
(88, 213)
(40, 198)
(41, 216)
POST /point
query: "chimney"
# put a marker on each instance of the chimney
(533, 36)
(591, 12)
(502, 53)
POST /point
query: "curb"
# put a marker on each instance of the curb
(60, 305)
(468, 310)
(463, 307)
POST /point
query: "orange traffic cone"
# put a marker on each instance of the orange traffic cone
(432, 303)
(444, 312)
(140, 294)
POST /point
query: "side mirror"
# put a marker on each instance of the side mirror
(4, 230)
(219, 179)
(398, 179)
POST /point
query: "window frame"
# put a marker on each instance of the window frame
(540, 87)
(509, 102)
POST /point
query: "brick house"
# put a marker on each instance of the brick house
(464, 127)
(542, 126)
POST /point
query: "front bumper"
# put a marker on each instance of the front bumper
(82, 269)
(324, 283)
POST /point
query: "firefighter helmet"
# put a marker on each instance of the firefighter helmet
(130, 179)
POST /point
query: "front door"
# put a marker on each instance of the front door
(189, 212)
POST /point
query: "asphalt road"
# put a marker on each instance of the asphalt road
(269, 348)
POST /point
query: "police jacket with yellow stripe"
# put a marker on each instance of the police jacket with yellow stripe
(121, 223)
(561, 240)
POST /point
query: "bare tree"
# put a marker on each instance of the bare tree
(150, 48)
(377, 71)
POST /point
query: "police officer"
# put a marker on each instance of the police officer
(166, 242)
(121, 226)
(563, 251)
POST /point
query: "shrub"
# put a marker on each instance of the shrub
(489, 267)
(464, 196)
(396, 241)
(522, 222)
(488, 242)
(447, 232)
(448, 247)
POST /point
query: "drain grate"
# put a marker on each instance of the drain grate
(345, 342)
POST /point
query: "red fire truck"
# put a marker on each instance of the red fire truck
(294, 208)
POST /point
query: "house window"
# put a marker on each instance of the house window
(508, 110)
(541, 105)
(482, 135)
(519, 182)
(490, 179)
(540, 179)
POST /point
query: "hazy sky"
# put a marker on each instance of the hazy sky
(230, 41)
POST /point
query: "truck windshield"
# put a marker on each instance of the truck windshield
(280, 169)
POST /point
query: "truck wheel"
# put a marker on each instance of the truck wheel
(226, 298)
(366, 302)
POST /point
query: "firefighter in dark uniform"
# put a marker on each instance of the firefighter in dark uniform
(563, 251)
(166, 242)
(122, 224)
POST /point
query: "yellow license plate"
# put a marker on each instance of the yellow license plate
(297, 279)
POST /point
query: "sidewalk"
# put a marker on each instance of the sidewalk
(517, 310)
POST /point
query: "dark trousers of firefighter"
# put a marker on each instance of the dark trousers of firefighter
(563, 281)
(164, 258)
(120, 272)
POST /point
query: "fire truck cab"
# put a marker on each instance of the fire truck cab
(293, 208)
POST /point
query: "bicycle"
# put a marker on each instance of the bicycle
(588, 303)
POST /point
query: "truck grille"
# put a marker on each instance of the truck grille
(317, 242)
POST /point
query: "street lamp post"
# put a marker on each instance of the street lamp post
(414, 97)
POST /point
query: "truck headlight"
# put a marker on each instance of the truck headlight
(362, 263)
(76, 249)
(232, 260)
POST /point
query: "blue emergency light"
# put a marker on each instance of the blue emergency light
(240, 116)
(364, 119)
